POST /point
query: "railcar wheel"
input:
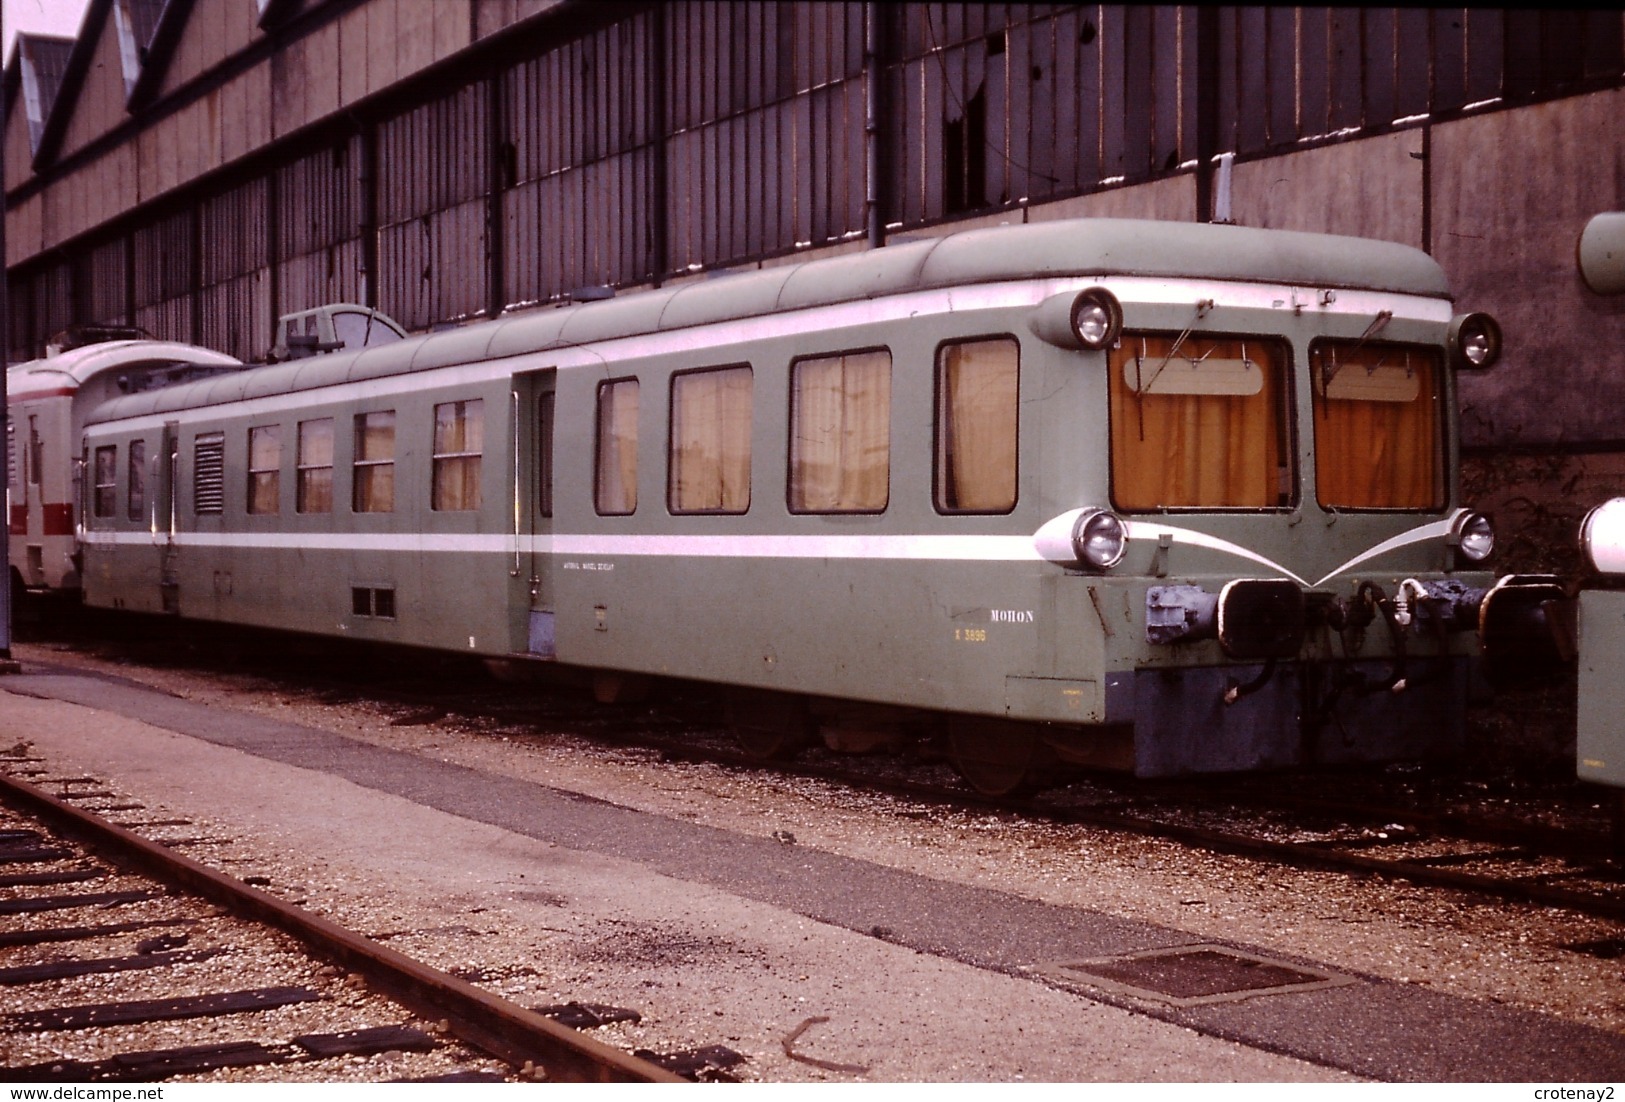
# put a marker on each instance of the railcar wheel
(995, 756)
(769, 726)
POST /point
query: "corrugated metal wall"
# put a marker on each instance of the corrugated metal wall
(104, 275)
(166, 270)
(577, 164)
(316, 230)
(432, 187)
(696, 135)
(235, 276)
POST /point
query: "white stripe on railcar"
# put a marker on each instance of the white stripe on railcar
(917, 547)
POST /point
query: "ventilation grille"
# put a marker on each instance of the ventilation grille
(209, 474)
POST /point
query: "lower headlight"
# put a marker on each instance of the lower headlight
(1474, 537)
(1099, 539)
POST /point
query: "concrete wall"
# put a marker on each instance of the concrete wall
(1512, 192)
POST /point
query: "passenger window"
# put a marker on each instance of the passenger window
(977, 391)
(616, 482)
(1378, 416)
(209, 473)
(136, 503)
(373, 490)
(264, 469)
(709, 464)
(840, 433)
(313, 493)
(106, 485)
(459, 444)
(1199, 422)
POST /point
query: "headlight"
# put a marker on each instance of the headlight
(1475, 340)
(1602, 537)
(1601, 251)
(1097, 318)
(1099, 539)
(1475, 537)
(1090, 320)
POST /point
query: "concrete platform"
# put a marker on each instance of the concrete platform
(920, 979)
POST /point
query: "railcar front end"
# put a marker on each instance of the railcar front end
(47, 401)
(1268, 563)
(1600, 740)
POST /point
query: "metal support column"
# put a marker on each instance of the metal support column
(7, 665)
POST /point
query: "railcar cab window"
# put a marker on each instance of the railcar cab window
(373, 484)
(265, 469)
(313, 490)
(709, 464)
(1199, 422)
(459, 444)
(977, 385)
(136, 503)
(615, 488)
(1378, 425)
(840, 433)
(106, 485)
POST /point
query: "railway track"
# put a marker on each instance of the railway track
(163, 942)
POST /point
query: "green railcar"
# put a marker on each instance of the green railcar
(1600, 616)
(1159, 496)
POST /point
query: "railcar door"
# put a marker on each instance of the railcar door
(533, 402)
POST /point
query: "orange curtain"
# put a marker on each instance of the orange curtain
(264, 468)
(617, 490)
(314, 492)
(374, 489)
(1377, 431)
(976, 426)
(710, 441)
(1173, 449)
(459, 445)
(840, 444)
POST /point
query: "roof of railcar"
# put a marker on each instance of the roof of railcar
(1079, 248)
(67, 371)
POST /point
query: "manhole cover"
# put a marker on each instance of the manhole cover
(1194, 975)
